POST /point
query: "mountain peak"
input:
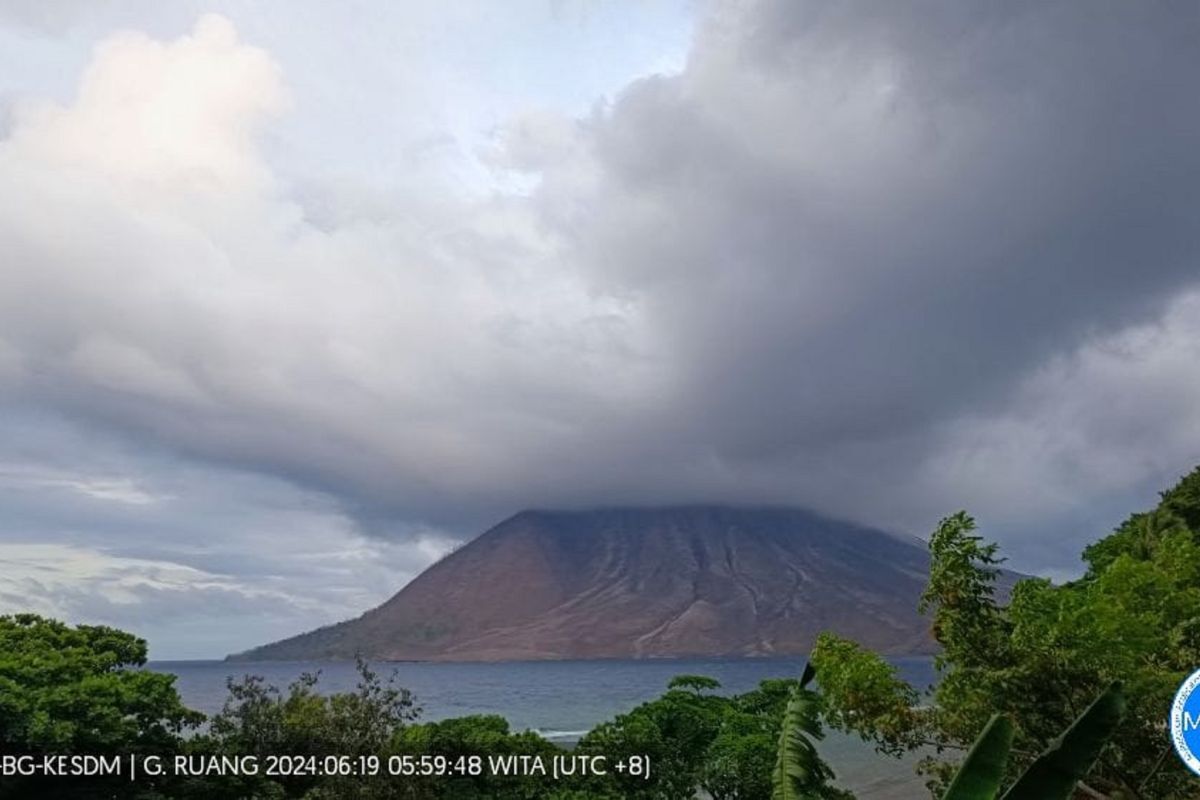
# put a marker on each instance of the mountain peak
(654, 581)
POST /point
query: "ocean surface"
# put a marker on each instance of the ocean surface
(564, 699)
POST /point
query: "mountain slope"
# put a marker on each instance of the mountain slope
(637, 583)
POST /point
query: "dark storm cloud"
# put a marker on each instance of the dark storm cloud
(880, 259)
(881, 245)
(855, 220)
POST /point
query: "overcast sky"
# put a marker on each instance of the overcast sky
(296, 295)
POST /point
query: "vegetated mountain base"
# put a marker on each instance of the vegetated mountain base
(644, 583)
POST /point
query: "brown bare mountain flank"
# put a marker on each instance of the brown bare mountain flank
(636, 583)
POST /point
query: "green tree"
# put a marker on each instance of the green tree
(81, 690)
(697, 684)
(674, 731)
(260, 720)
(485, 736)
(740, 760)
(1133, 617)
(1055, 773)
(725, 746)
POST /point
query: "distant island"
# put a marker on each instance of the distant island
(643, 583)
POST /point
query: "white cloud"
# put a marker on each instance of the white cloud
(115, 489)
(432, 342)
(181, 117)
(1121, 411)
(39, 574)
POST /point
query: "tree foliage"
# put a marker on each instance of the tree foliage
(259, 719)
(465, 737)
(1055, 773)
(81, 690)
(675, 731)
(725, 746)
(1133, 617)
(862, 693)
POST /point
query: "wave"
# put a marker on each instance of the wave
(561, 736)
